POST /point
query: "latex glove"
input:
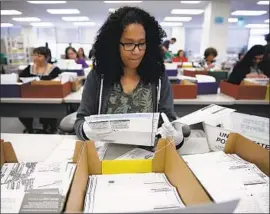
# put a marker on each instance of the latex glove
(87, 130)
(168, 130)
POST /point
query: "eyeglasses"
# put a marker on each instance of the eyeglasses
(132, 46)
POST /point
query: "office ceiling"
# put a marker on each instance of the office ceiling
(97, 11)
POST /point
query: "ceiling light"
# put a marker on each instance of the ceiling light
(41, 24)
(177, 19)
(75, 18)
(84, 23)
(6, 25)
(10, 12)
(115, 2)
(27, 19)
(112, 10)
(190, 2)
(263, 2)
(187, 11)
(266, 21)
(47, 2)
(249, 12)
(232, 20)
(63, 11)
(257, 26)
(171, 24)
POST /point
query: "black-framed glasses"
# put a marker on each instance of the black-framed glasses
(132, 46)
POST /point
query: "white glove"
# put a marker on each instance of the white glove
(168, 130)
(87, 130)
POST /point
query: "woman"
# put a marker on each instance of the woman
(128, 74)
(81, 54)
(180, 57)
(209, 58)
(248, 67)
(45, 71)
(71, 53)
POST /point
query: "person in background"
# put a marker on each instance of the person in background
(45, 71)
(180, 57)
(209, 58)
(91, 53)
(248, 67)
(71, 53)
(128, 73)
(81, 54)
(166, 44)
(265, 64)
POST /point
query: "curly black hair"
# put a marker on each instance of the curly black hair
(210, 51)
(46, 52)
(107, 60)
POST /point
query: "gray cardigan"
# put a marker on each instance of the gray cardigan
(95, 98)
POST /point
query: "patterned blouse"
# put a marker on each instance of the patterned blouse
(138, 101)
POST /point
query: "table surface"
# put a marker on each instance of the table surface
(33, 100)
(38, 147)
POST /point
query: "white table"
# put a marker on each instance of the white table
(32, 100)
(74, 97)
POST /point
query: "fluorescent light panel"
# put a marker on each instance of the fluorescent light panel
(177, 19)
(84, 23)
(187, 11)
(249, 12)
(119, 2)
(27, 19)
(6, 25)
(63, 11)
(190, 2)
(257, 26)
(41, 24)
(75, 18)
(10, 12)
(266, 21)
(171, 24)
(233, 20)
(47, 2)
(263, 2)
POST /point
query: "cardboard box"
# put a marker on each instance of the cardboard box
(166, 160)
(80, 72)
(13, 90)
(185, 90)
(248, 151)
(191, 73)
(252, 127)
(267, 96)
(171, 69)
(8, 155)
(207, 88)
(77, 84)
(45, 89)
(246, 90)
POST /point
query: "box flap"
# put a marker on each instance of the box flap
(186, 82)
(8, 154)
(46, 82)
(94, 164)
(158, 164)
(77, 151)
(180, 176)
(249, 151)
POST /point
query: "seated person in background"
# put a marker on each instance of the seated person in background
(265, 64)
(46, 71)
(248, 67)
(81, 54)
(209, 58)
(128, 73)
(71, 53)
(180, 57)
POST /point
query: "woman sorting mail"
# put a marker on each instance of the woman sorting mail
(128, 74)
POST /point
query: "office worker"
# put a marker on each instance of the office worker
(71, 53)
(209, 58)
(45, 71)
(180, 57)
(81, 54)
(249, 66)
(128, 71)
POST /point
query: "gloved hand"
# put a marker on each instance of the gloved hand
(168, 130)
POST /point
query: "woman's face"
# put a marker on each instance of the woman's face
(210, 58)
(181, 54)
(258, 58)
(80, 52)
(131, 55)
(39, 59)
(71, 54)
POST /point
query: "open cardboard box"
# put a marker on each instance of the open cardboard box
(166, 160)
(249, 151)
(45, 89)
(185, 90)
(11, 90)
(246, 90)
(8, 155)
(267, 96)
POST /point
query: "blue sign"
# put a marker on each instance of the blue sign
(219, 20)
